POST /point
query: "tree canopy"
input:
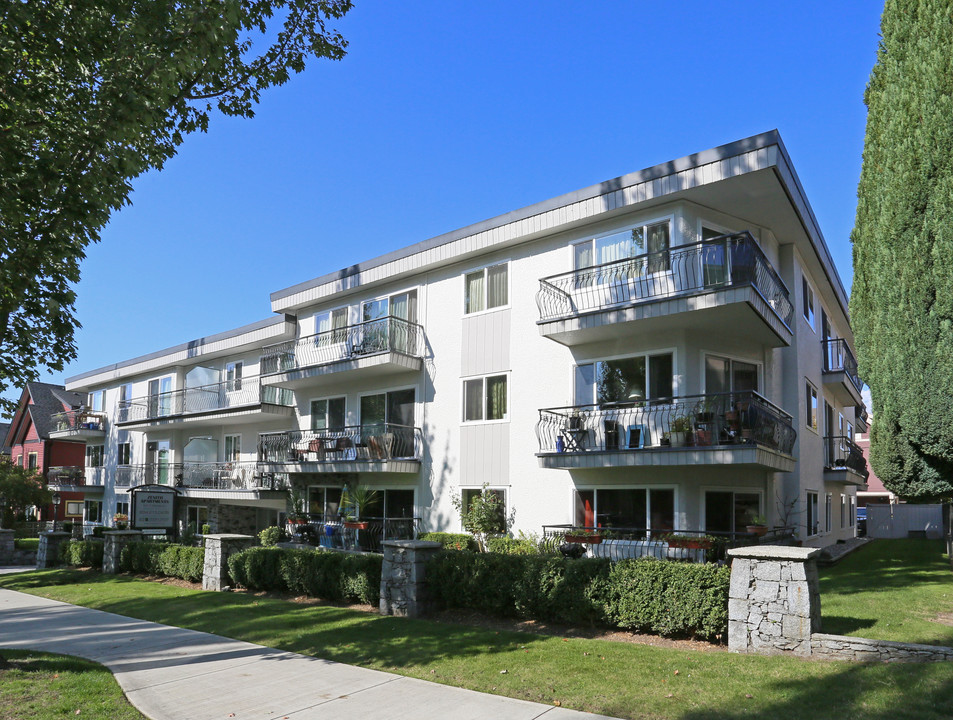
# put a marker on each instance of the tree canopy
(93, 95)
(902, 297)
(20, 488)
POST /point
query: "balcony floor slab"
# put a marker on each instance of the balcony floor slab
(751, 455)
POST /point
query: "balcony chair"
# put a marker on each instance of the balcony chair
(345, 446)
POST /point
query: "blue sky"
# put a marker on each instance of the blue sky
(444, 114)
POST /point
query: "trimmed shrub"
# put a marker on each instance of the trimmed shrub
(150, 558)
(84, 553)
(271, 536)
(512, 546)
(452, 541)
(669, 598)
(340, 577)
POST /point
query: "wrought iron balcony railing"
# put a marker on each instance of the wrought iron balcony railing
(78, 420)
(354, 443)
(839, 358)
(727, 261)
(242, 392)
(388, 334)
(692, 420)
(843, 452)
(66, 475)
(332, 532)
(209, 475)
(861, 414)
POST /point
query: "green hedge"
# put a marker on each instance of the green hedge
(452, 541)
(27, 544)
(157, 558)
(84, 553)
(666, 598)
(512, 546)
(340, 577)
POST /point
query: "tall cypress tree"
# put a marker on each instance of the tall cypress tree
(902, 297)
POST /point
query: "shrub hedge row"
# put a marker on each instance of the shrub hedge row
(647, 595)
(157, 558)
(340, 577)
(452, 541)
(83, 553)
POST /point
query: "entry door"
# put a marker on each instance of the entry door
(158, 453)
(160, 396)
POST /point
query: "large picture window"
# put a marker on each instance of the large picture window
(630, 379)
(652, 509)
(94, 455)
(654, 239)
(486, 288)
(730, 512)
(328, 413)
(485, 398)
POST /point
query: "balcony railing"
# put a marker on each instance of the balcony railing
(388, 334)
(332, 533)
(727, 261)
(354, 443)
(692, 420)
(66, 475)
(839, 358)
(861, 414)
(843, 452)
(207, 475)
(78, 420)
(622, 543)
(242, 392)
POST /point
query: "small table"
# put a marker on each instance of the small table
(575, 439)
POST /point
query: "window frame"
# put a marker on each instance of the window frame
(594, 397)
(646, 488)
(828, 512)
(483, 420)
(124, 451)
(733, 489)
(811, 407)
(644, 225)
(98, 504)
(92, 454)
(327, 400)
(233, 375)
(32, 461)
(485, 269)
(808, 302)
(812, 529)
(77, 508)
(233, 456)
(732, 359)
(478, 490)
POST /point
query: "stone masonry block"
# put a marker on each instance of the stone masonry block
(740, 580)
(768, 570)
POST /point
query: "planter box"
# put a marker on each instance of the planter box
(354, 525)
(690, 544)
(584, 539)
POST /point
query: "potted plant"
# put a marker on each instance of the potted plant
(574, 420)
(691, 542)
(121, 521)
(666, 440)
(681, 430)
(584, 536)
(352, 500)
(758, 525)
(296, 515)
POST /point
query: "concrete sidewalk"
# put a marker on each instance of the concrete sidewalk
(173, 674)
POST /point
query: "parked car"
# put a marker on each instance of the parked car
(861, 522)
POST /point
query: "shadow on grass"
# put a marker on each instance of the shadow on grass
(840, 625)
(888, 564)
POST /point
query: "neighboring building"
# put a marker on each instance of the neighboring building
(44, 435)
(670, 349)
(4, 445)
(875, 493)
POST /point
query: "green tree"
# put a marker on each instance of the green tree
(93, 95)
(902, 297)
(20, 488)
(485, 515)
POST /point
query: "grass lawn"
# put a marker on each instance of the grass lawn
(891, 590)
(42, 686)
(621, 679)
(27, 544)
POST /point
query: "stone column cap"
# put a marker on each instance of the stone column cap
(58, 533)
(228, 536)
(775, 552)
(7, 530)
(123, 532)
(412, 544)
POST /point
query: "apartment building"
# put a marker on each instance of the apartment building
(668, 350)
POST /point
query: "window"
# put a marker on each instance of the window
(624, 380)
(812, 520)
(390, 416)
(486, 289)
(654, 239)
(468, 495)
(94, 456)
(728, 375)
(828, 512)
(730, 511)
(638, 508)
(485, 399)
(233, 448)
(124, 453)
(125, 401)
(807, 298)
(852, 511)
(122, 507)
(31, 461)
(197, 516)
(324, 502)
(233, 376)
(93, 511)
(96, 400)
(331, 326)
(843, 510)
(810, 404)
(328, 414)
(74, 508)
(160, 396)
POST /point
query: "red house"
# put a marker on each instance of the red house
(48, 433)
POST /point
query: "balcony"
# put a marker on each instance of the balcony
(78, 425)
(840, 373)
(75, 478)
(378, 347)
(202, 479)
(861, 418)
(718, 429)
(226, 403)
(725, 283)
(367, 448)
(844, 461)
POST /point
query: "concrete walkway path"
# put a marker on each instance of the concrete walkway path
(173, 674)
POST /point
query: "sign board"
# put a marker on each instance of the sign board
(153, 508)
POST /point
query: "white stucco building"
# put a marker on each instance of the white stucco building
(670, 349)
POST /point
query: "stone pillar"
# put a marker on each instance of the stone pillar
(218, 548)
(49, 553)
(6, 546)
(116, 540)
(773, 601)
(404, 577)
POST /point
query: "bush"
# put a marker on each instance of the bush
(151, 558)
(452, 541)
(318, 573)
(669, 598)
(32, 544)
(512, 546)
(98, 531)
(271, 536)
(84, 553)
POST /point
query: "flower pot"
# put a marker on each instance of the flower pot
(757, 530)
(690, 544)
(355, 525)
(584, 539)
(679, 439)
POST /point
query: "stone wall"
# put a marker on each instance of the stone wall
(404, 577)
(843, 647)
(116, 540)
(48, 554)
(218, 548)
